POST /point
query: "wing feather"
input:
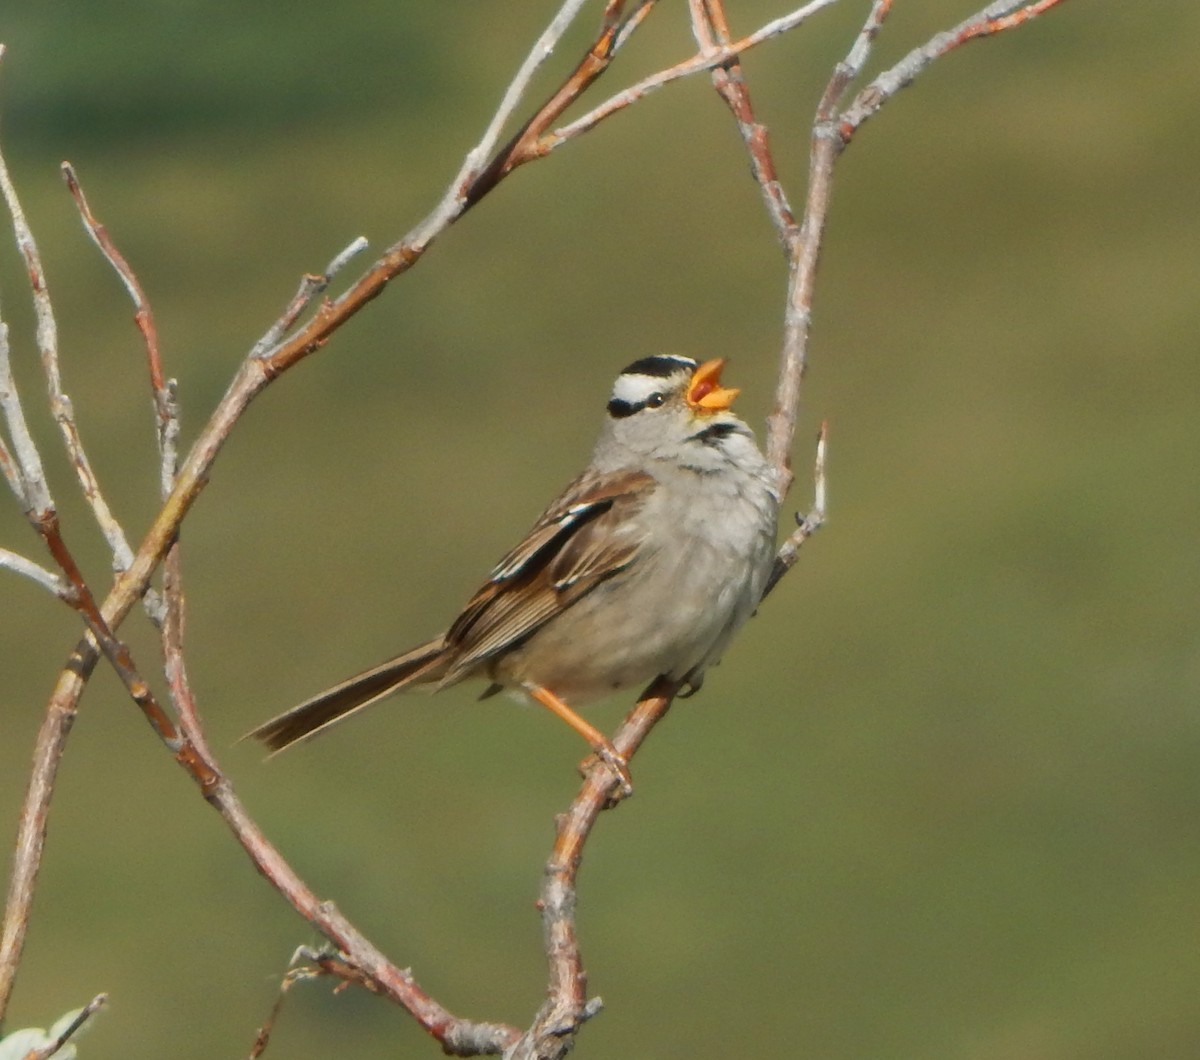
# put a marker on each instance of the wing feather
(570, 550)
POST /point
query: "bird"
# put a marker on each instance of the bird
(645, 566)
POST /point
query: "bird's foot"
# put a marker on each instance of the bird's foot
(610, 758)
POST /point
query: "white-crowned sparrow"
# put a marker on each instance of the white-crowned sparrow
(645, 566)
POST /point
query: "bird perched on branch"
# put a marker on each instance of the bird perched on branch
(645, 566)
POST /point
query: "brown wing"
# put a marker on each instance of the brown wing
(570, 550)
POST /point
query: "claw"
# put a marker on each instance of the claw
(608, 755)
(616, 764)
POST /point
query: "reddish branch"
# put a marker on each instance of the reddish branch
(165, 412)
(144, 316)
(529, 141)
(567, 1006)
(356, 959)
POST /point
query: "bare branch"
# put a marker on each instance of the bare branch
(696, 64)
(995, 18)
(467, 187)
(8, 465)
(26, 567)
(711, 29)
(567, 1007)
(291, 977)
(162, 389)
(851, 66)
(529, 141)
(23, 463)
(60, 403)
(31, 832)
(635, 19)
(804, 251)
(74, 1025)
(356, 960)
(173, 659)
(310, 286)
(831, 133)
(806, 525)
(186, 743)
(542, 49)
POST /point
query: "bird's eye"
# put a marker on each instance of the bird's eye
(655, 400)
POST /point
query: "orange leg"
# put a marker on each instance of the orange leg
(595, 738)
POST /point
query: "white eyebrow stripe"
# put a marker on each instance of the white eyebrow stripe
(635, 389)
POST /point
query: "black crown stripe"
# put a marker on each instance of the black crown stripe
(660, 365)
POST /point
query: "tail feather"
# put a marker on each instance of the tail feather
(352, 695)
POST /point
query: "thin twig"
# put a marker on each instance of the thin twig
(995, 18)
(845, 72)
(695, 64)
(832, 132)
(186, 743)
(291, 977)
(806, 525)
(173, 658)
(60, 403)
(74, 1027)
(23, 463)
(457, 199)
(98, 233)
(360, 960)
(711, 29)
(528, 142)
(804, 251)
(31, 831)
(27, 568)
(542, 49)
(311, 285)
(81, 598)
(166, 412)
(8, 464)
(631, 23)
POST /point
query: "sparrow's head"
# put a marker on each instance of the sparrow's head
(667, 407)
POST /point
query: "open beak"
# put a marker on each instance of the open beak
(705, 393)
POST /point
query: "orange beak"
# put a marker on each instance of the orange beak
(705, 393)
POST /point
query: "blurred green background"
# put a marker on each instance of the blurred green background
(941, 800)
